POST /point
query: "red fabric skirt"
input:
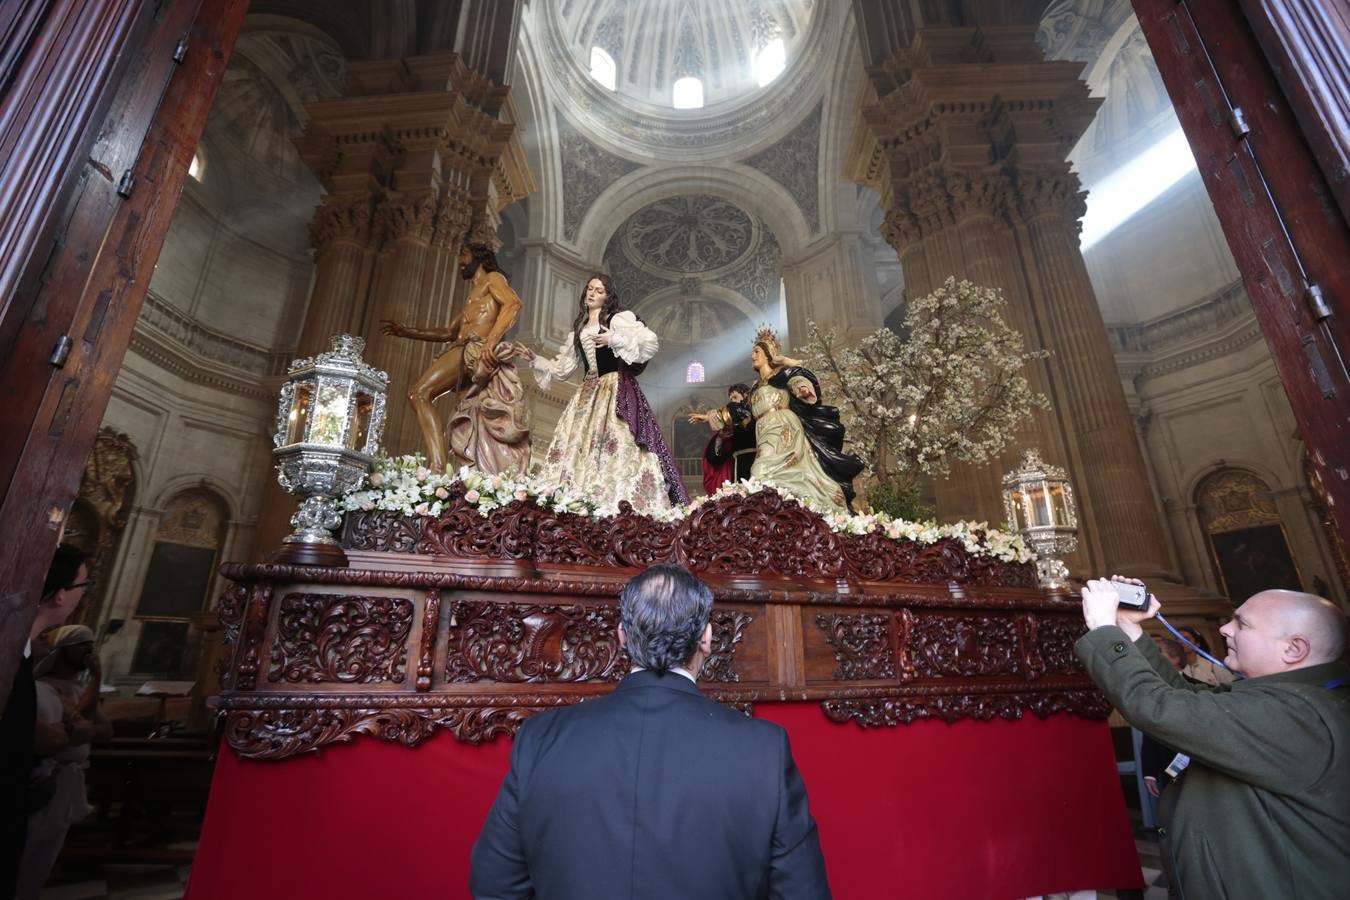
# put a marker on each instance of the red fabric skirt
(974, 810)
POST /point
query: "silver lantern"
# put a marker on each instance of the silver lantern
(1038, 500)
(329, 419)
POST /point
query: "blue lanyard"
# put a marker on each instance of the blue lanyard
(1337, 682)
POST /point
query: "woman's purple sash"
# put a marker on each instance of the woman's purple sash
(632, 407)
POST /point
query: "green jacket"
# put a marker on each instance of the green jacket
(1263, 811)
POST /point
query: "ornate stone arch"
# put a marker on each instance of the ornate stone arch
(752, 191)
(176, 591)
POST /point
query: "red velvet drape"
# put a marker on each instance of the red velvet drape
(976, 810)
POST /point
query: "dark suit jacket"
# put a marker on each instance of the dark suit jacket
(651, 792)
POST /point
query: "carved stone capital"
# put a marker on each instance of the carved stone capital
(451, 223)
(341, 219)
(978, 193)
(410, 219)
(1053, 192)
(901, 228)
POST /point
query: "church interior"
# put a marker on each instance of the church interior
(730, 164)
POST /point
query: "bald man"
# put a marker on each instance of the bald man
(1261, 806)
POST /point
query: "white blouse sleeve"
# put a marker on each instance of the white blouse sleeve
(630, 340)
(559, 367)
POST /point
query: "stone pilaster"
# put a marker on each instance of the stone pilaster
(340, 234)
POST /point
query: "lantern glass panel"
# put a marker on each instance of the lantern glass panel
(298, 421)
(1059, 504)
(330, 414)
(1042, 504)
(364, 406)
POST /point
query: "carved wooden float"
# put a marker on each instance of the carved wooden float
(473, 623)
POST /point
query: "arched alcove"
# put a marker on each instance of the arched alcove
(183, 558)
(1248, 545)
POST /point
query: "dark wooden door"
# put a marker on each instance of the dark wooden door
(1269, 159)
(102, 103)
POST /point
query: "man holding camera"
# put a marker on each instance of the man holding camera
(1261, 804)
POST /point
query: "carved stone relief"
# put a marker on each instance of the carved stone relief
(794, 163)
(586, 171)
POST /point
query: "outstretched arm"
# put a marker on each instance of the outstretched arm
(437, 335)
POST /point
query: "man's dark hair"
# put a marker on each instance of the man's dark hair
(664, 611)
(64, 568)
(1195, 637)
(485, 258)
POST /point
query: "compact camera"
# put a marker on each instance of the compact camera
(1132, 596)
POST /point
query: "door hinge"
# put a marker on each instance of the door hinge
(1317, 302)
(61, 352)
(180, 51)
(1238, 121)
(125, 184)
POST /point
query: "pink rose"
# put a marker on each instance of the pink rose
(367, 505)
(471, 496)
(421, 508)
(442, 493)
(520, 495)
(422, 473)
(377, 478)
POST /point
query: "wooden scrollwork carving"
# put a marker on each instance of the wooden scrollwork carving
(341, 638)
(861, 643)
(762, 534)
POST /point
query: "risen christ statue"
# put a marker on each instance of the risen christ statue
(473, 361)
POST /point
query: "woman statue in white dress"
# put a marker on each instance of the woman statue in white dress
(607, 440)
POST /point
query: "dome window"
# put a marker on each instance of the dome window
(688, 94)
(769, 61)
(603, 68)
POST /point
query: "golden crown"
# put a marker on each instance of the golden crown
(767, 335)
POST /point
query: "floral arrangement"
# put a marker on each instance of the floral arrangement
(404, 485)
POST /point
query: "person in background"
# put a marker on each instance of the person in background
(65, 702)
(1197, 667)
(731, 450)
(20, 731)
(1154, 755)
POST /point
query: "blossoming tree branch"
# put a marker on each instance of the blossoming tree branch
(951, 388)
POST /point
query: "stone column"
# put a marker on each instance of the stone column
(964, 133)
(340, 234)
(1092, 402)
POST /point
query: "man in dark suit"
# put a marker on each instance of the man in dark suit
(651, 792)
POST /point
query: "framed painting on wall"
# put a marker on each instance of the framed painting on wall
(1254, 559)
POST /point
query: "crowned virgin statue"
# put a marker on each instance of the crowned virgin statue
(799, 441)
